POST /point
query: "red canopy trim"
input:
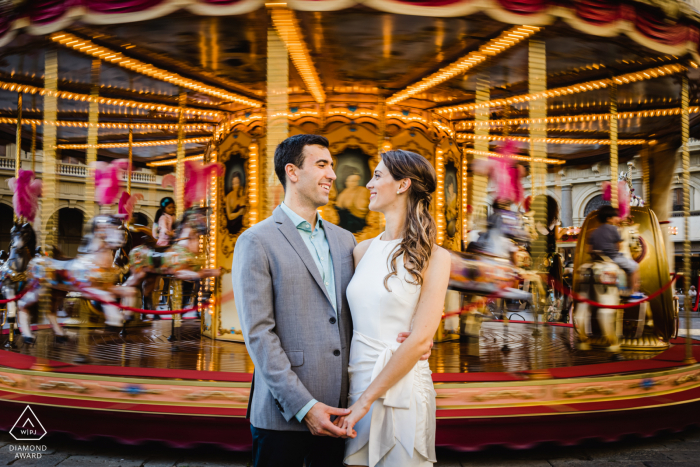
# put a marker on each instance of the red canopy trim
(644, 24)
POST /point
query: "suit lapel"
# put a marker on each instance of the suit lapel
(289, 230)
(337, 264)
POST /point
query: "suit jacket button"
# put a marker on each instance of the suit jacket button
(336, 352)
(332, 320)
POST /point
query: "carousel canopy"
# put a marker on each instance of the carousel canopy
(420, 57)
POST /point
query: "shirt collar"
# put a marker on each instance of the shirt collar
(299, 221)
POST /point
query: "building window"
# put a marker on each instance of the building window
(594, 204)
(677, 199)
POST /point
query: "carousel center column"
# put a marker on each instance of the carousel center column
(477, 185)
(49, 222)
(277, 104)
(91, 153)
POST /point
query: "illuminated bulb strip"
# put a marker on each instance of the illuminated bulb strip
(440, 195)
(27, 89)
(506, 40)
(332, 113)
(253, 182)
(651, 73)
(515, 156)
(167, 162)
(140, 144)
(525, 139)
(107, 55)
(577, 118)
(213, 197)
(112, 126)
(444, 128)
(287, 27)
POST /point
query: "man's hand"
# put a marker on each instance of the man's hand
(318, 419)
(404, 335)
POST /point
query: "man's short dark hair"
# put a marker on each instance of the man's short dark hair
(606, 212)
(291, 151)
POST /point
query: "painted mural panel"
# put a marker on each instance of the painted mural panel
(235, 194)
(351, 196)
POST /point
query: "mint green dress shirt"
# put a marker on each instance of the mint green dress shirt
(317, 243)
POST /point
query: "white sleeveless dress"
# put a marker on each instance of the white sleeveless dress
(399, 429)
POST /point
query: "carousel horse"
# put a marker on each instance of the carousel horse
(182, 259)
(91, 272)
(13, 272)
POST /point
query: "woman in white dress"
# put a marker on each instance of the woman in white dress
(400, 282)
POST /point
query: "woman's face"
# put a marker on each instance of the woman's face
(235, 182)
(352, 181)
(382, 189)
(170, 209)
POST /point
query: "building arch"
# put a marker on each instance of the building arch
(582, 199)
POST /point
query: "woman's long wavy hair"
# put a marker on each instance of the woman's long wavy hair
(419, 231)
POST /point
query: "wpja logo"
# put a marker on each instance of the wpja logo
(28, 427)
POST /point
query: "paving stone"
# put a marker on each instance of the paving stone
(161, 462)
(598, 463)
(671, 464)
(506, 463)
(88, 461)
(684, 456)
(46, 460)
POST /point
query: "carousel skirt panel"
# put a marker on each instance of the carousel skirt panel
(137, 388)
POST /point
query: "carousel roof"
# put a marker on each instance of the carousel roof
(407, 52)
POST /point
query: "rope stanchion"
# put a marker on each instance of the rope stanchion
(697, 297)
(563, 289)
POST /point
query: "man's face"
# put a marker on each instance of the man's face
(314, 178)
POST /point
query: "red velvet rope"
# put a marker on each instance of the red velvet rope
(141, 310)
(561, 288)
(18, 296)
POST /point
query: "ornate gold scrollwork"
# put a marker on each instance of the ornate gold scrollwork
(65, 385)
(686, 379)
(505, 394)
(7, 381)
(589, 390)
(198, 396)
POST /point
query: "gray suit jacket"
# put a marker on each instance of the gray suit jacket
(299, 348)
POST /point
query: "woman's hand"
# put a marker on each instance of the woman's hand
(358, 410)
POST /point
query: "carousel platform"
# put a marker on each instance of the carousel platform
(138, 388)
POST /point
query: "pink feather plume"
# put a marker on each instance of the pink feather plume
(107, 180)
(623, 196)
(127, 203)
(169, 180)
(607, 191)
(198, 176)
(27, 191)
(504, 172)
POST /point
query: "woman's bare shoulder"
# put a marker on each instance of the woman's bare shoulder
(360, 250)
(440, 257)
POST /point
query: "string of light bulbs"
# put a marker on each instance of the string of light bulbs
(515, 156)
(188, 128)
(28, 89)
(138, 144)
(577, 118)
(103, 53)
(503, 42)
(651, 73)
(525, 139)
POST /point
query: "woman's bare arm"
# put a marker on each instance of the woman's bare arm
(426, 321)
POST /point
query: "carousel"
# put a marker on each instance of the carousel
(129, 111)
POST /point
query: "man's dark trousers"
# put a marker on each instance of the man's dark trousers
(295, 449)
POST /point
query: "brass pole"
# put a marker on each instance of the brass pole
(18, 152)
(685, 131)
(180, 167)
(48, 200)
(131, 155)
(91, 152)
(613, 145)
(34, 147)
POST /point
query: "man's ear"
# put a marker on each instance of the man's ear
(291, 172)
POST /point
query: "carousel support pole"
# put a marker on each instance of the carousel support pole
(180, 208)
(646, 175)
(537, 76)
(613, 145)
(685, 131)
(91, 153)
(131, 156)
(18, 162)
(277, 122)
(34, 147)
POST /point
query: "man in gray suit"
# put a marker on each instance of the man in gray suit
(290, 273)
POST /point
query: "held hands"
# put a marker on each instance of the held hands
(404, 335)
(358, 410)
(318, 419)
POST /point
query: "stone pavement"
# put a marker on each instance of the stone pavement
(666, 450)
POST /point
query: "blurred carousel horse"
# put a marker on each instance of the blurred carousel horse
(92, 272)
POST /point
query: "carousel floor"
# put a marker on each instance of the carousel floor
(148, 347)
